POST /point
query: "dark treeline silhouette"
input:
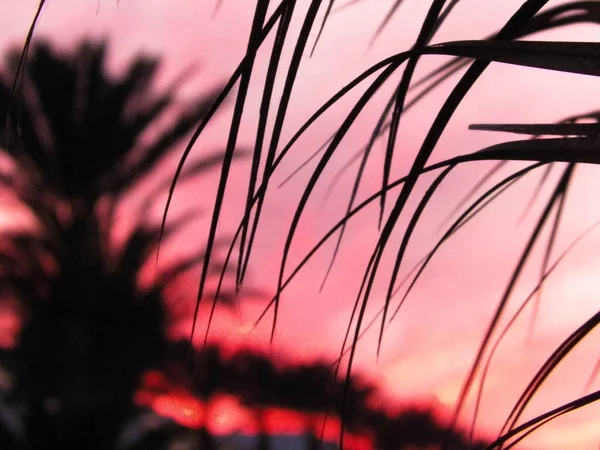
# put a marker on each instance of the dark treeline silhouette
(312, 388)
(73, 147)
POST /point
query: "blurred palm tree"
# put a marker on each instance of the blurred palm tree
(81, 134)
(76, 141)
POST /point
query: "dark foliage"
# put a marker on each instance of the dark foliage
(90, 329)
(314, 388)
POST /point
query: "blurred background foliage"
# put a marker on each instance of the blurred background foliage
(90, 333)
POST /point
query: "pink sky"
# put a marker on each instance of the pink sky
(431, 345)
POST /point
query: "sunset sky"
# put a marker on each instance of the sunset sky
(432, 343)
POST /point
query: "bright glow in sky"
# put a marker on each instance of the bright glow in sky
(429, 348)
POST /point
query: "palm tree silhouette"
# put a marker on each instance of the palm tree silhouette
(75, 142)
(78, 133)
